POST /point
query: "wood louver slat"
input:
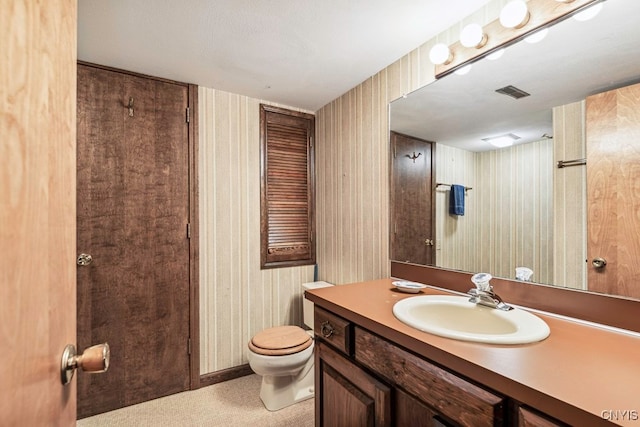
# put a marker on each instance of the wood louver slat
(287, 188)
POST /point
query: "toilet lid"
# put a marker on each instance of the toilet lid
(280, 341)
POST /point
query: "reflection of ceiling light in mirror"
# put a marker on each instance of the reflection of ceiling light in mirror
(537, 36)
(440, 54)
(473, 36)
(464, 70)
(588, 13)
(502, 140)
(514, 14)
(495, 55)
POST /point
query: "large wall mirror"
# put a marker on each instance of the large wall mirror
(521, 209)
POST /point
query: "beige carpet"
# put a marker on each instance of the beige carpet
(231, 403)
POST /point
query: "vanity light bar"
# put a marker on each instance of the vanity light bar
(540, 14)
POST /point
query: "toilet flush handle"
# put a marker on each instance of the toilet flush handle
(326, 329)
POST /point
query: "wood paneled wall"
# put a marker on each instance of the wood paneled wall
(353, 163)
(237, 299)
(570, 197)
(515, 210)
(456, 237)
(508, 219)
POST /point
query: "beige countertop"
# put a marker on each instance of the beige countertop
(576, 375)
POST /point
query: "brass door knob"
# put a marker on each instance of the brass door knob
(599, 262)
(428, 242)
(95, 360)
(84, 259)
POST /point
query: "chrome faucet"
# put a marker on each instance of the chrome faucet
(483, 293)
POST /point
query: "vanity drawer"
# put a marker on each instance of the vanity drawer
(443, 391)
(530, 418)
(333, 329)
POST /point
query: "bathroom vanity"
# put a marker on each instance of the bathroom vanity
(372, 369)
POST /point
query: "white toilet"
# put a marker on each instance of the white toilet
(283, 356)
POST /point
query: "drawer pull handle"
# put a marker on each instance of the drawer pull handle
(326, 329)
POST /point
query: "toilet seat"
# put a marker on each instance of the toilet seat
(280, 341)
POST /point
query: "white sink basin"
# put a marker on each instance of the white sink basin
(455, 317)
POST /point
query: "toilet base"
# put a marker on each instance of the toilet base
(277, 392)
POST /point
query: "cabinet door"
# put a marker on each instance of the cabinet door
(346, 395)
(411, 412)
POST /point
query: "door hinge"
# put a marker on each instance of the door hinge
(188, 115)
(311, 142)
(189, 346)
(188, 230)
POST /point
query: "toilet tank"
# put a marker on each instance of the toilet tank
(307, 306)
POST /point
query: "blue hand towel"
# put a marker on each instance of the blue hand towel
(456, 200)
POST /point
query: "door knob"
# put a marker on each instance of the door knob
(599, 262)
(84, 259)
(428, 242)
(95, 360)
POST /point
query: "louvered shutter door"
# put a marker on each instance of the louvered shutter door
(287, 188)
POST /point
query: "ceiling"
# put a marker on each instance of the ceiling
(299, 53)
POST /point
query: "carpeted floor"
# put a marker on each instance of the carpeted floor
(231, 403)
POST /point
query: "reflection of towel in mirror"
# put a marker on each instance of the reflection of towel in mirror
(456, 200)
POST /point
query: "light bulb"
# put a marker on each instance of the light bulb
(473, 36)
(588, 13)
(514, 14)
(495, 55)
(464, 70)
(440, 54)
(537, 36)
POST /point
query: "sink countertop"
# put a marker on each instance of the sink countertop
(574, 375)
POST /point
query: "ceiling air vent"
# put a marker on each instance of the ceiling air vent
(513, 92)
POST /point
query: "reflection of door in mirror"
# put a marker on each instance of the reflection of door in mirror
(613, 191)
(412, 236)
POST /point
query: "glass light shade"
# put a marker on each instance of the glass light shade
(514, 14)
(440, 54)
(495, 55)
(564, 1)
(588, 13)
(502, 141)
(464, 70)
(537, 36)
(473, 36)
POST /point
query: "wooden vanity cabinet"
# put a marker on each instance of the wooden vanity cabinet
(365, 380)
(346, 395)
(362, 379)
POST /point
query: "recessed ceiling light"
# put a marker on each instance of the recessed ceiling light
(502, 140)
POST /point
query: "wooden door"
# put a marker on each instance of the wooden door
(37, 210)
(613, 190)
(133, 214)
(347, 395)
(412, 208)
